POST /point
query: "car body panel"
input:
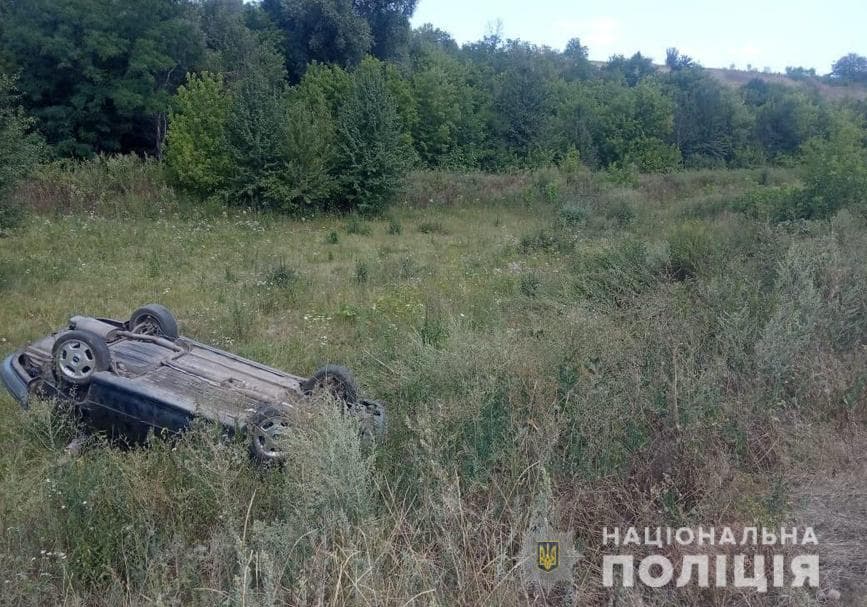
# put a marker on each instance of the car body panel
(154, 383)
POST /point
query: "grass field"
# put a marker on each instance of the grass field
(645, 355)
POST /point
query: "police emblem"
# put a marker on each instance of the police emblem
(548, 555)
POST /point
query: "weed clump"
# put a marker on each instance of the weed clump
(432, 227)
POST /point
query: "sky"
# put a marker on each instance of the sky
(761, 33)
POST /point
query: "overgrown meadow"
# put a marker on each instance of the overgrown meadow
(553, 343)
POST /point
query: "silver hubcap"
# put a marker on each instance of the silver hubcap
(76, 360)
(269, 435)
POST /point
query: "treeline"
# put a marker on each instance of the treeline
(296, 104)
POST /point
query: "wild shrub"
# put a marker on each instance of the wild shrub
(573, 214)
(356, 225)
(530, 285)
(547, 184)
(620, 271)
(797, 313)
(394, 227)
(692, 245)
(281, 276)
(432, 227)
(652, 155)
(619, 208)
(544, 240)
(835, 174)
(775, 203)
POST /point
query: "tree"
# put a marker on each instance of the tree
(835, 171)
(98, 76)
(851, 68)
(237, 43)
(197, 149)
(800, 73)
(576, 65)
(710, 121)
(522, 102)
(785, 121)
(677, 61)
(327, 31)
(372, 154)
(256, 137)
(632, 70)
(20, 148)
(389, 25)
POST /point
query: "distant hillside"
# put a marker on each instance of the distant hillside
(741, 77)
(737, 78)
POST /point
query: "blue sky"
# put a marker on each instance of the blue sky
(764, 33)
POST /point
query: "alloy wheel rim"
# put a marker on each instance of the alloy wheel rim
(76, 360)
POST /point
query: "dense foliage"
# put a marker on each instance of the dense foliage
(273, 104)
(20, 148)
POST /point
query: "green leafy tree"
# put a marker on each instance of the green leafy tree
(439, 109)
(372, 152)
(239, 38)
(800, 72)
(576, 64)
(850, 68)
(389, 25)
(197, 149)
(676, 61)
(710, 121)
(327, 31)
(305, 180)
(835, 171)
(98, 76)
(522, 103)
(632, 70)
(256, 137)
(326, 84)
(20, 148)
(785, 121)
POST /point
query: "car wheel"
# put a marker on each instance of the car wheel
(154, 319)
(268, 428)
(336, 380)
(78, 355)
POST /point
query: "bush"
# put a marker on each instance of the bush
(573, 214)
(620, 271)
(653, 155)
(691, 245)
(432, 227)
(835, 174)
(774, 203)
(372, 152)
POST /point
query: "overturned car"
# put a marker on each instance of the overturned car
(137, 376)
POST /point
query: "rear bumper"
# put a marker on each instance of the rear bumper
(14, 381)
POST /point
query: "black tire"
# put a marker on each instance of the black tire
(338, 380)
(77, 355)
(264, 429)
(154, 319)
